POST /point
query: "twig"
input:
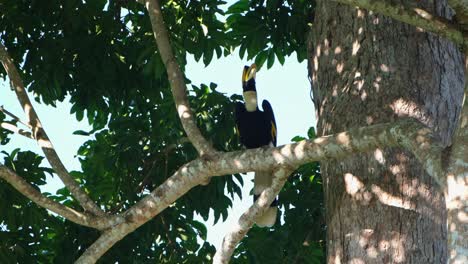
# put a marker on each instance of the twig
(2, 109)
(40, 135)
(412, 15)
(176, 79)
(16, 130)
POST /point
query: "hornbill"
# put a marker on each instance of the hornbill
(257, 129)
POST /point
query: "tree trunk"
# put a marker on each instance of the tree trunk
(367, 69)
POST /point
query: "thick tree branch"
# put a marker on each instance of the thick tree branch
(34, 195)
(107, 239)
(193, 173)
(15, 129)
(427, 149)
(40, 135)
(246, 221)
(411, 15)
(176, 79)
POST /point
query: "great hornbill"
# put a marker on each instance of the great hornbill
(257, 129)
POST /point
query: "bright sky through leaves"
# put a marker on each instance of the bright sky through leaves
(286, 87)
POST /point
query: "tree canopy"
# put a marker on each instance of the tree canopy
(103, 56)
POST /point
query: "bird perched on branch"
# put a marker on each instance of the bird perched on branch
(257, 129)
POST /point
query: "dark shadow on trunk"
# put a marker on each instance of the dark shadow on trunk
(368, 69)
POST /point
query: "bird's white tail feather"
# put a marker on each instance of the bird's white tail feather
(268, 218)
(263, 180)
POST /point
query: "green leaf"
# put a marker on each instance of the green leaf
(280, 55)
(81, 133)
(13, 153)
(261, 58)
(201, 228)
(271, 59)
(242, 50)
(219, 52)
(207, 56)
(297, 138)
(238, 7)
(213, 86)
(79, 115)
(311, 133)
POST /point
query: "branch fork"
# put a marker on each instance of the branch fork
(247, 219)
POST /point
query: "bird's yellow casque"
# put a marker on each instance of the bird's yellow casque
(256, 129)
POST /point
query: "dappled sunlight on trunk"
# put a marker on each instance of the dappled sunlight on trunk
(368, 69)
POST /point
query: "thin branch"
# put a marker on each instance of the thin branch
(40, 135)
(176, 79)
(411, 15)
(8, 113)
(15, 129)
(34, 195)
(246, 221)
(290, 156)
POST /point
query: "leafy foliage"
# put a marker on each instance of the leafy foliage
(102, 54)
(23, 225)
(3, 132)
(270, 29)
(106, 52)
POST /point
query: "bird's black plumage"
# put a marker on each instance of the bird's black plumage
(268, 110)
(258, 128)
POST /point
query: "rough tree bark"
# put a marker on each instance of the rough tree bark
(383, 207)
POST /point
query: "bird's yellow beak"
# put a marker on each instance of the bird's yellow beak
(249, 72)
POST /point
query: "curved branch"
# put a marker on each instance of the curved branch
(176, 79)
(246, 221)
(40, 135)
(336, 146)
(34, 195)
(411, 15)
